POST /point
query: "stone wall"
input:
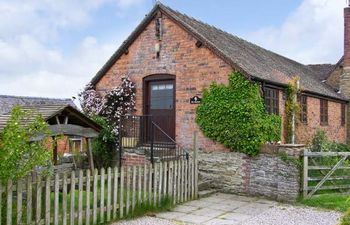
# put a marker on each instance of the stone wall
(269, 174)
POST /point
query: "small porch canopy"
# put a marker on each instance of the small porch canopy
(63, 120)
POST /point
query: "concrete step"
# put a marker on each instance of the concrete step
(206, 193)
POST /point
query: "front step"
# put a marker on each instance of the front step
(206, 193)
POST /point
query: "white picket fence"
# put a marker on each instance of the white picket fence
(99, 196)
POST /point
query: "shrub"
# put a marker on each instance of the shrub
(107, 111)
(235, 116)
(345, 220)
(18, 153)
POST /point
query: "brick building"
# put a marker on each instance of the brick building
(172, 57)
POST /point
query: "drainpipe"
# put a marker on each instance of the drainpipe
(293, 116)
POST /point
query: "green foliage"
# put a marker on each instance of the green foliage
(291, 107)
(320, 143)
(166, 204)
(235, 116)
(345, 220)
(104, 146)
(18, 153)
(337, 202)
(289, 159)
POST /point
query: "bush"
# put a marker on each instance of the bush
(235, 116)
(104, 147)
(18, 153)
(345, 220)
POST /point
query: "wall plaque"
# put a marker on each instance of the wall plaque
(195, 100)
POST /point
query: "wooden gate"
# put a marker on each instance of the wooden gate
(325, 172)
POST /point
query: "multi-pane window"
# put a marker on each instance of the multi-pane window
(271, 97)
(343, 114)
(323, 112)
(303, 108)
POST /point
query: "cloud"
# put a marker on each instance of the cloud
(33, 61)
(311, 34)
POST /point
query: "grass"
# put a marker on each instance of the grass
(338, 202)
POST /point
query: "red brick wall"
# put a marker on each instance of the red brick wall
(195, 69)
(334, 130)
(131, 159)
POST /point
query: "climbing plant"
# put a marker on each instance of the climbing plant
(107, 111)
(235, 116)
(291, 107)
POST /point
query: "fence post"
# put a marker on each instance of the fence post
(195, 160)
(152, 142)
(305, 175)
(9, 203)
(120, 143)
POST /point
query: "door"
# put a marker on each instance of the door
(160, 104)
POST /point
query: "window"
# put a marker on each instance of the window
(343, 114)
(271, 97)
(323, 112)
(162, 96)
(303, 108)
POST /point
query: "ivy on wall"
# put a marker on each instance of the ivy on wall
(235, 116)
(291, 107)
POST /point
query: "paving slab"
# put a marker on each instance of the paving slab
(185, 208)
(208, 212)
(171, 215)
(235, 216)
(194, 219)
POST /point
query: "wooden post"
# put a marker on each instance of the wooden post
(89, 152)
(127, 190)
(305, 175)
(109, 193)
(133, 202)
(195, 164)
(38, 200)
(64, 200)
(94, 207)
(115, 192)
(56, 199)
(47, 201)
(80, 198)
(29, 199)
(88, 187)
(55, 150)
(121, 195)
(72, 198)
(9, 203)
(102, 200)
(19, 201)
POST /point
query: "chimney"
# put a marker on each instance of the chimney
(345, 78)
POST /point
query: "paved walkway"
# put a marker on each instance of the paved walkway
(222, 209)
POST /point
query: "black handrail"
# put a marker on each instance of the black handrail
(141, 133)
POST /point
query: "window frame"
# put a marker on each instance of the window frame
(343, 114)
(303, 109)
(323, 112)
(271, 100)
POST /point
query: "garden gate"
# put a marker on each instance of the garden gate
(325, 172)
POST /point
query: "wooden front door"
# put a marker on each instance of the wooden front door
(160, 105)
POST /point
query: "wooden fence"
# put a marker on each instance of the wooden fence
(85, 197)
(325, 172)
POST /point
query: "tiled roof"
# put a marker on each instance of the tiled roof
(322, 71)
(7, 102)
(50, 111)
(252, 60)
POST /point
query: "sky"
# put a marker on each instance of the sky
(52, 48)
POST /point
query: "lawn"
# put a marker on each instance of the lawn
(338, 202)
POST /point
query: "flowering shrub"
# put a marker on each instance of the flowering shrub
(107, 111)
(117, 102)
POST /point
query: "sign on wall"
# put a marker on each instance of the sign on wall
(195, 100)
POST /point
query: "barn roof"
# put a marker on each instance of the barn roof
(253, 61)
(7, 102)
(49, 113)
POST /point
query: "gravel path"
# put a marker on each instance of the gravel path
(290, 215)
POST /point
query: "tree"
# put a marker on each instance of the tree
(19, 154)
(235, 116)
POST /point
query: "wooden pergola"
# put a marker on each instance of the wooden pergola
(64, 120)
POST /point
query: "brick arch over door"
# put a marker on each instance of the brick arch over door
(159, 101)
